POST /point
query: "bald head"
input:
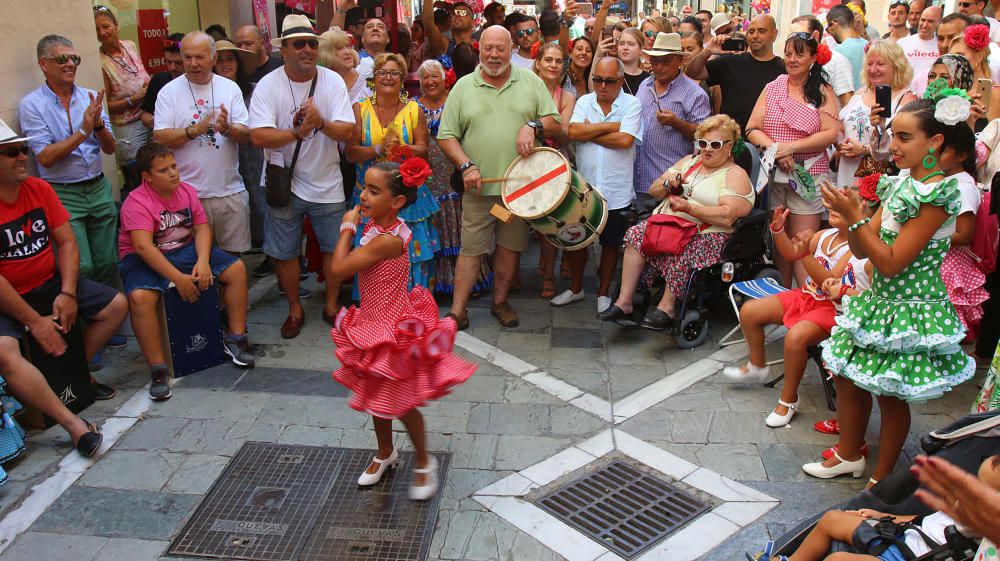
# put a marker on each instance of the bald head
(929, 20)
(198, 57)
(610, 66)
(764, 20)
(495, 49)
(496, 33)
(761, 35)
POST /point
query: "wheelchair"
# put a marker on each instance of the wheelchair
(746, 256)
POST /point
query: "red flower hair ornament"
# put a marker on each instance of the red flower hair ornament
(867, 188)
(823, 54)
(415, 172)
(977, 37)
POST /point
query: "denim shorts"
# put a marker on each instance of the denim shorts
(136, 274)
(91, 298)
(283, 239)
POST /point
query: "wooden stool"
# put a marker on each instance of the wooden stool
(192, 332)
(67, 375)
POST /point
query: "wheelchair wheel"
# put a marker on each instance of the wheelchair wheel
(768, 272)
(692, 332)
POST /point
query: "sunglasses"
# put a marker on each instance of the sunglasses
(898, 3)
(461, 12)
(801, 35)
(102, 9)
(390, 73)
(526, 32)
(605, 81)
(63, 59)
(14, 151)
(649, 33)
(966, 4)
(713, 144)
(300, 44)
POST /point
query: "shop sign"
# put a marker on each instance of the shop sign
(152, 26)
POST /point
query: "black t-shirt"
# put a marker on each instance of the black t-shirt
(741, 78)
(265, 69)
(632, 82)
(156, 84)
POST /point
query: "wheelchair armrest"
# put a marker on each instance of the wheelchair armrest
(756, 216)
(648, 205)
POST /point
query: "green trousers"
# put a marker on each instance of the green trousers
(94, 219)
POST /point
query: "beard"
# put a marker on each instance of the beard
(495, 73)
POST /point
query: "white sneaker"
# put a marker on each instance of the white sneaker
(774, 420)
(567, 297)
(430, 487)
(603, 303)
(747, 374)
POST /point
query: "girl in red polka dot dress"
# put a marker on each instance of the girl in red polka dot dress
(395, 353)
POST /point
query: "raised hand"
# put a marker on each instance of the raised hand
(845, 202)
(352, 216)
(311, 118)
(222, 120)
(92, 113)
(778, 218)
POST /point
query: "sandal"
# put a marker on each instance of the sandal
(548, 288)
(90, 442)
(505, 314)
(461, 323)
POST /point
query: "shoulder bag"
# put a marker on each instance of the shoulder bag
(278, 179)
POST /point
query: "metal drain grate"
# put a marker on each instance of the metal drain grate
(623, 509)
(277, 502)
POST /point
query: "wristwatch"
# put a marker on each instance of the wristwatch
(466, 165)
(538, 126)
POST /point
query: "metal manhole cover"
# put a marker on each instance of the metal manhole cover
(280, 502)
(623, 509)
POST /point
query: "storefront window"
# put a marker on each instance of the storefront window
(148, 22)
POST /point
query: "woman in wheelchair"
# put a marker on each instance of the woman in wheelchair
(708, 189)
(807, 312)
(877, 535)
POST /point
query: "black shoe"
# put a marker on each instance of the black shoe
(159, 386)
(613, 313)
(90, 442)
(264, 269)
(657, 320)
(103, 391)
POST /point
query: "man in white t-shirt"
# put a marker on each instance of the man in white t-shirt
(202, 118)
(525, 35)
(922, 49)
(282, 113)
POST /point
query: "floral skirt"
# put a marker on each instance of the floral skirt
(704, 250)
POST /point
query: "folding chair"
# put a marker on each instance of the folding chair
(753, 289)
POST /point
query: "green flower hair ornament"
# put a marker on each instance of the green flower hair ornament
(739, 147)
(951, 105)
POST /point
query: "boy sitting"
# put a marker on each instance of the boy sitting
(165, 238)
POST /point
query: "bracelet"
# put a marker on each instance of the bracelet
(349, 226)
(859, 224)
(842, 292)
(378, 150)
(187, 133)
(64, 293)
(776, 232)
(473, 168)
(129, 100)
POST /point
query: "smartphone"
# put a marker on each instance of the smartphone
(585, 9)
(883, 98)
(607, 31)
(736, 44)
(984, 87)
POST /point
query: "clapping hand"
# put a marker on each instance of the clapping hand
(778, 219)
(846, 202)
(957, 493)
(222, 120)
(92, 117)
(312, 120)
(850, 148)
(800, 243)
(206, 122)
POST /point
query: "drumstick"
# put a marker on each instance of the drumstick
(501, 179)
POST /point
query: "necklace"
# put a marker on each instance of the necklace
(194, 99)
(930, 175)
(134, 69)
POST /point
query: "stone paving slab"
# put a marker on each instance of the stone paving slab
(113, 513)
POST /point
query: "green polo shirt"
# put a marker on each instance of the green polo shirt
(485, 120)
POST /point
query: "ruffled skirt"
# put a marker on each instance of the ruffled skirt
(964, 281)
(394, 367)
(11, 433)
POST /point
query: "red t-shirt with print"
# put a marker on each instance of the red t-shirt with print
(26, 256)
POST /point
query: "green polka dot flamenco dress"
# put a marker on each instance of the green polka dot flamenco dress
(901, 338)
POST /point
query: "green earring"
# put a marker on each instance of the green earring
(929, 160)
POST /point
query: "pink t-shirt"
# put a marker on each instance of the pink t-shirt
(171, 221)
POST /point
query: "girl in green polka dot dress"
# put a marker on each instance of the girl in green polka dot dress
(899, 340)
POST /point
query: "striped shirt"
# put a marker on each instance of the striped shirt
(663, 146)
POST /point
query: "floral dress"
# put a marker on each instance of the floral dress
(901, 338)
(425, 241)
(448, 222)
(395, 353)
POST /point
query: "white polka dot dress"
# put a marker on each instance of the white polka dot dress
(394, 351)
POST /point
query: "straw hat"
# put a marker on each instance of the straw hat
(224, 45)
(665, 44)
(719, 20)
(8, 136)
(294, 26)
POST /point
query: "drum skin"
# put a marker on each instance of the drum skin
(547, 193)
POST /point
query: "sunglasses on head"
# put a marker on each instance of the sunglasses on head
(63, 59)
(898, 3)
(299, 44)
(523, 32)
(171, 44)
(14, 151)
(390, 73)
(805, 36)
(100, 8)
(713, 144)
(605, 81)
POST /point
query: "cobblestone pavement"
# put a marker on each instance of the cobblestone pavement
(562, 388)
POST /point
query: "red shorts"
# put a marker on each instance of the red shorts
(800, 306)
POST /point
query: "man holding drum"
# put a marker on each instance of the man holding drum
(492, 116)
(606, 126)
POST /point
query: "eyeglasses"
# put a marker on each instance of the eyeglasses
(390, 73)
(605, 81)
(14, 151)
(649, 33)
(461, 12)
(300, 44)
(713, 144)
(63, 59)
(528, 32)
